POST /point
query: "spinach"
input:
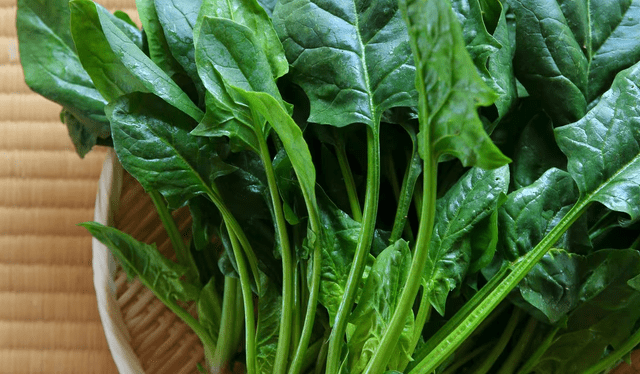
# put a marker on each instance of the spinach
(495, 148)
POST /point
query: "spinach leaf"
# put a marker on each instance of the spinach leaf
(486, 36)
(156, 272)
(159, 50)
(177, 19)
(153, 144)
(447, 82)
(607, 317)
(603, 148)
(568, 52)
(376, 306)
(121, 67)
(352, 58)
(465, 205)
(52, 68)
(269, 310)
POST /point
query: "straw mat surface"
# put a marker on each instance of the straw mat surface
(49, 321)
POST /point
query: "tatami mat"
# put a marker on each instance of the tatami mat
(49, 321)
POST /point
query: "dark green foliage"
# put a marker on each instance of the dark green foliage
(344, 163)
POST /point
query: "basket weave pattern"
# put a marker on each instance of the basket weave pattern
(162, 342)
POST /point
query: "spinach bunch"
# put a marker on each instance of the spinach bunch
(423, 186)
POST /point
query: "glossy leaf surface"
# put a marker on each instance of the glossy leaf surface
(352, 58)
(450, 87)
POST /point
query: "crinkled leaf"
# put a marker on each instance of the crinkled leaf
(156, 272)
(552, 286)
(450, 87)
(177, 19)
(116, 64)
(249, 13)
(352, 58)
(52, 68)
(609, 312)
(159, 51)
(269, 311)
(228, 54)
(527, 215)
(338, 249)
(568, 52)
(603, 148)
(486, 35)
(376, 306)
(473, 198)
(153, 144)
(536, 152)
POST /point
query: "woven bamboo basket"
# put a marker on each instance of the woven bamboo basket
(143, 335)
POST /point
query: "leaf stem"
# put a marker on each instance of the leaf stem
(406, 195)
(483, 305)
(542, 348)
(226, 335)
(515, 356)
(460, 362)
(286, 317)
(347, 175)
(336, 339)
(498, 348)
(616, 355)
(381, 356)
(249, 320)
(182, 253)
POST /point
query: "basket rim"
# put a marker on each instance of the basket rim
(104, 269)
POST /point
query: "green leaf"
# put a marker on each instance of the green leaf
(603, 148)
(52, 68)
(528, 214)
(568, 52)
(177, 19)
(376, 307)
(108, 73)
(210, 309)
(608, 315)
(450, 88)
(338, 250)
(486, 36)
(250, 14)
(228, 54)
(153, 144)
(269, 311)
(159, 50)
(116, 64)
(352, 58)
(536, 152)
(464, 206)
(144, 261)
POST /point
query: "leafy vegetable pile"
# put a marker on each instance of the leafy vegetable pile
(340, 152)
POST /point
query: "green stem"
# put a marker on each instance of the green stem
(461, 361)
(424, 311)
(336, 339)
(234, 229)
(636, 243)
(542, 348)
(247, 296)
(512, 361)
(286, 317)
(498, 348)
(194, 324)
(616, 355)
(391, 335)
(350, 184)
(225, 348)
(182, 253)
(406, 196)
(482, 307)
(307, 328)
